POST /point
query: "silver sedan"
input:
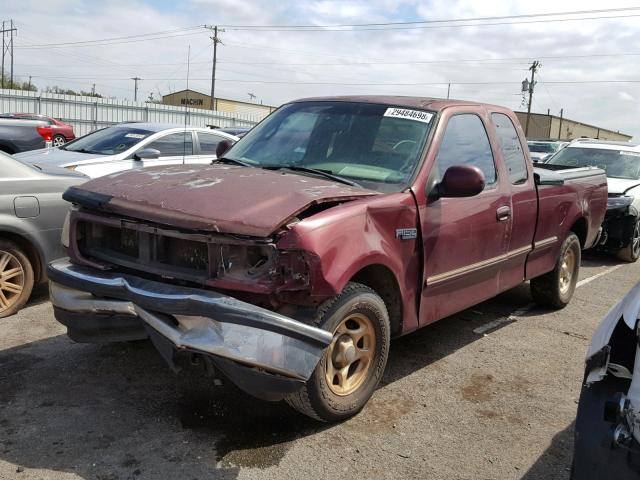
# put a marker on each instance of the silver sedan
(32, 213)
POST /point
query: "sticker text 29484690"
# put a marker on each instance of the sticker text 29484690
(408, 114)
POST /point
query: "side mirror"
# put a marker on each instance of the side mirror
(460, 181)
(223, 147)
(147, 154)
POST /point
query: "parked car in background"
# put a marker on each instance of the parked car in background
(540, 150)
(23, 135)
(61, 132)
(621, 161)
(32, 214)
(607, 429)
(333, 225)
(132, 145)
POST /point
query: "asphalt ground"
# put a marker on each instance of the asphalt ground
(490, 393)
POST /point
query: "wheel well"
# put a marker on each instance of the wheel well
(29, 250)
(382, 280)
(580, 229)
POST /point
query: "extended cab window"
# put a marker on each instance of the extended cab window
(514, 158)
(465, 142)
(173, 144)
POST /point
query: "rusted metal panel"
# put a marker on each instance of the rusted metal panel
(218, 198)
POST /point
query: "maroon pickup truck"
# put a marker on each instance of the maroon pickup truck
(337, 223)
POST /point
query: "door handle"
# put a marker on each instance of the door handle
(503, 213)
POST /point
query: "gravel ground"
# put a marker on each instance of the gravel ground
(454, 404)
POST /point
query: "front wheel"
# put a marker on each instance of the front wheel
(351, 367)
(631, 252)
(555, 289)
(16, 278)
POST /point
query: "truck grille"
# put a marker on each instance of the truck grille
(146, 251)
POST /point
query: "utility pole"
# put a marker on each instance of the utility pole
(560, 126)
(534, 68)
(216, 41)
(7, 46)
(135, 88)
(93, 89)
(29, 82)
(448, 90)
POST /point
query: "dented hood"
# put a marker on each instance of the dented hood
(220, 198)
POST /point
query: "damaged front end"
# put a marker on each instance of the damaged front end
(263, 352)
(607, 432)
(618, 224)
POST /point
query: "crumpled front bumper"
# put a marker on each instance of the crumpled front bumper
(264, 353)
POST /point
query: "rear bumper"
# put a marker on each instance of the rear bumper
(264, 353)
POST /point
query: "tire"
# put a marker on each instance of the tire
(631, 252)
(555, 289)
(16, 278)
(58, 140)
(345, 395)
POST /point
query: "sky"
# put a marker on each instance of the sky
(482, 62)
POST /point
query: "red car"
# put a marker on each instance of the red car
(61, 132)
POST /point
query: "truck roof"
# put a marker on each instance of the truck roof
(429, 103)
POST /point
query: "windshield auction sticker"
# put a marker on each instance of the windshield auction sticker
(417, 115)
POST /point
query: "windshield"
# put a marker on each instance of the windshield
(108, 141)
(542, 147)
(376, 146)
(617, 163)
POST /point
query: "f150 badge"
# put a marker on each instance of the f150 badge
(407, 233)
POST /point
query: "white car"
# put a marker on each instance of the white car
(621, 161)
(607, 429)
(540, 150)
(131, 145)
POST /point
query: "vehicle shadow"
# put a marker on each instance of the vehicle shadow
(117, 412)
(555, 462)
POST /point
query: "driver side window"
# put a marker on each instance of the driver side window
(465, 142)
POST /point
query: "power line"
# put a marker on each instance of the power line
(109, 39)
(146, 39)
(552, 20)
(428, 22)
(283, 82)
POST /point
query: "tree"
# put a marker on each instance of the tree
(18, 85)
(62, 91)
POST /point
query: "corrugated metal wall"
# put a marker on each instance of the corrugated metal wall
(88, 113)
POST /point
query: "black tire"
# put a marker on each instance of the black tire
(12, 257)
(631, 252)
(553, 289)
(317, 399)
(58, 140)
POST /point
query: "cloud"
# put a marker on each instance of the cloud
(250, 60)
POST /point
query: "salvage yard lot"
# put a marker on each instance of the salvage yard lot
(453, 403)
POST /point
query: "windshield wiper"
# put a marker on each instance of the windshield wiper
(84, 150)
(232, 161)
(324, 173)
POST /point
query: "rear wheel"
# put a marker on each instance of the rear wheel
(631, 252)
(58, 140)
(351, 367)
(16, 278)
(555, 289)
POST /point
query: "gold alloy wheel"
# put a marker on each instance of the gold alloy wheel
(11, 280)
(566, 270)
(350, 355)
